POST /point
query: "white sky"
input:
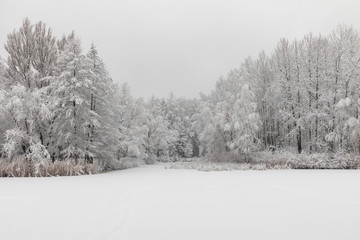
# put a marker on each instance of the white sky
(183, 46)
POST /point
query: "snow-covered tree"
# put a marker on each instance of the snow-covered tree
(203, 124)
(131, 119)
(31, 56)
(102, 128)
(72, 104)
(246, 123)
(178, 112)
(160, 139)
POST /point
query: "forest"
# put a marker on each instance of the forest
(61, 113)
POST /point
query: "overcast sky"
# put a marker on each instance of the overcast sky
(182, 46)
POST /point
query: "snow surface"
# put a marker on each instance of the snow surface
(151, 202)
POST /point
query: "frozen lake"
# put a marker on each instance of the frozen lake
(151, 202)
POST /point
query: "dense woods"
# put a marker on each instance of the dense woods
(59, 104)
(304, 97)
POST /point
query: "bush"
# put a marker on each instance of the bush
(207, 166)
(128, 162)
(308, 161)
(228, 157)
(20, 167)
(326, 161)
(273, 160)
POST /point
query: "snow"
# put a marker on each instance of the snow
(151, 202)
(352, 122)
(343, 103)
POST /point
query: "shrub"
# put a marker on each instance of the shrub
(274, 160)
(128, 162)
(20, 167)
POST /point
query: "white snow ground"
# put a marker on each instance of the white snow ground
(151, 202)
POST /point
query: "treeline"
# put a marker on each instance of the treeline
(60, 104)
(304, 97)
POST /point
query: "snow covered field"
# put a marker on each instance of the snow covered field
(151, 202)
